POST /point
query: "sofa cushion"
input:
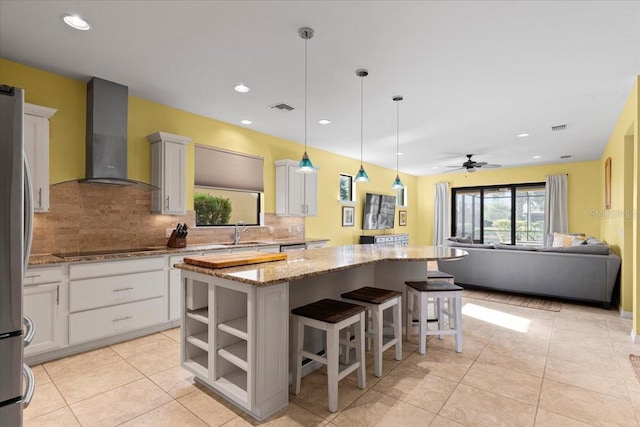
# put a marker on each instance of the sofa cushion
(514, 247)
(580, 249)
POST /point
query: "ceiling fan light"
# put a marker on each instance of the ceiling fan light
(397, 183)
(361, 176)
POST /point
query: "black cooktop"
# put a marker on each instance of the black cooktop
(100, 252)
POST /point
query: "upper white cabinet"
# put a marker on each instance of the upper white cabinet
(36, 147)
(168, 172)
(296, 193)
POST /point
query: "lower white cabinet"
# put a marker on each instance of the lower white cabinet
(113, 297)
(103, 322)
(43, 289)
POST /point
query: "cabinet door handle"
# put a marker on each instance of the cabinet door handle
(122, 318)
(122, 289)
(167, 202)
(39, 197)
(58, 295)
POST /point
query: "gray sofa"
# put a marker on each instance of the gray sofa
(583, 272)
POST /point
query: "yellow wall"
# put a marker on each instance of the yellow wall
(584, 191)
(620, 224)
(67, 152)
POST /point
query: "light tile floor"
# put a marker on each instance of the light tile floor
(519, 367)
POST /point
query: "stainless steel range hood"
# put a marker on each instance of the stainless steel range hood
(106, 149)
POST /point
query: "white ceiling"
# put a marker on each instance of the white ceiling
(473, 74)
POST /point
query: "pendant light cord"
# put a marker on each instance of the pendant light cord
(397, 137)
(361, 115)
(306, 41)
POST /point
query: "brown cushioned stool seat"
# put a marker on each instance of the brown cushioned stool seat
(377, 300)
(449, 317)
(330, 316)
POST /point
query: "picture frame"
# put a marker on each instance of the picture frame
(607, 183)
(402, 218)
(348, 214)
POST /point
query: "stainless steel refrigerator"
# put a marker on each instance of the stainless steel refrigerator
(16, 219)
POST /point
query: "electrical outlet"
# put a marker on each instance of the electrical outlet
(168, 231)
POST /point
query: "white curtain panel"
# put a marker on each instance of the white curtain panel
(556, 212)
(441, 213)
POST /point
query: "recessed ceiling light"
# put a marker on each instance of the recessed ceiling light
(241, 88)
(537, 157)
(523, 135)
(324, 121)
(399, 153)
(245, 122)
(75, 21)
(434, 167)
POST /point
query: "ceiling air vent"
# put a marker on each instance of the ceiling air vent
(282, 107)
(559, 127)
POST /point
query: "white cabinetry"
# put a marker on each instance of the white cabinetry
(168, 172)
(386, 239)
(44, 304)
(36, 147)
(236, 340)
(296, 193)
(112, 297)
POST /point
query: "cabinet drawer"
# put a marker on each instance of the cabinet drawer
(110, 268)
(103, 322)
(105, 291)
(37, 276)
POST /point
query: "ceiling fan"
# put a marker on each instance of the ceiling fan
(472, 165)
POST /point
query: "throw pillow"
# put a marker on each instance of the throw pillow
(561, 240)
(579, 240)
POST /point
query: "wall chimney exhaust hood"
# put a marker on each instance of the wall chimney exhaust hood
(106, 149)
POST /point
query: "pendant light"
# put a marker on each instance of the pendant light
(397, 183)
(305, 165)
(361, 176)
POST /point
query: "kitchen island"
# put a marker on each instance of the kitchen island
(235, 334)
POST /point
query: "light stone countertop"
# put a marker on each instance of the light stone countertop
(49, 259)
(315, 262)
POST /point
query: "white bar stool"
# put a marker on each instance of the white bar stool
(418, 293)
(376, 301)
(330, 316)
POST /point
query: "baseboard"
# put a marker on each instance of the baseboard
(47, 356)
(634, 337)
(626, 314)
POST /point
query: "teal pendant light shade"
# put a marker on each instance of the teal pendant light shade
(397, 183)
(305, 165)
(361, 176)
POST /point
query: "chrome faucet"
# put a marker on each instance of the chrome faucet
(236, 235)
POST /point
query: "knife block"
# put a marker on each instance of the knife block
(176, 242)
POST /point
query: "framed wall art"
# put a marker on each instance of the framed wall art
(402, 218)
(348, 213)
(607, 183)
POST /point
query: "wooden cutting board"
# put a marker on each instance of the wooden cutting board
(234, 259)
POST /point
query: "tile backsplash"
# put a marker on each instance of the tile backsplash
(88, 217)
